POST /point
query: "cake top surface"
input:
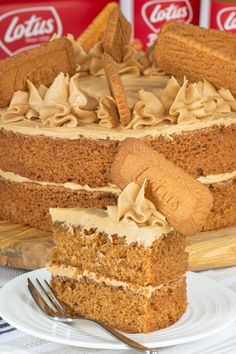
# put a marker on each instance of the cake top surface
(112, 85)
(135, 217)
(85, 102)
(94, 132)
(81, 105)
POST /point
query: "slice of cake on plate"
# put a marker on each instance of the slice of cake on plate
(125, 266)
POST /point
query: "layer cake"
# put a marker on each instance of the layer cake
(124, 266)
(58, 142)
(43, 167)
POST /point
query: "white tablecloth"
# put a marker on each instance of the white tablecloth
(13, 341)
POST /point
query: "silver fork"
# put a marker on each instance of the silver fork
(57, 312)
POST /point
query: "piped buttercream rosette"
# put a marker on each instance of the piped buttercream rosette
(200, 100)
(65, 103)
(184, 103)
(17, 109)
(134, 207)
(62, 104)
(107, 113)
(135, 63)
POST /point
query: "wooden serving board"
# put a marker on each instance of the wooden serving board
(23, 247)
(28, 248)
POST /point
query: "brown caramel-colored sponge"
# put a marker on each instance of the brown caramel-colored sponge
(121, 308)
(40, 65)
(22, 199)
(158, 264)
(183, 49)
(184, 201)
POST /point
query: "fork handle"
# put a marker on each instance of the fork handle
(131, 344)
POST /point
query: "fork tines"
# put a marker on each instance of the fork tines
(46, 299)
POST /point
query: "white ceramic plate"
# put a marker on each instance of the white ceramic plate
(212, 307)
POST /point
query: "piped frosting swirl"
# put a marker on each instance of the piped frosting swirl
(62, 104)
(134, 207)
(201, 100)
(68, 103)
(181, 104)
(134, 219)
(17, 109)
(135, 62)
(107, 113)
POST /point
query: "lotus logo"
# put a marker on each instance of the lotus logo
(156, 12)
(226, 19)
(24, 28)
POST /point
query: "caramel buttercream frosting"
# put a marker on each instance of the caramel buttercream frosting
(109, 188)
(62, 104)
(107, 113)
(181, 104)
(13, 177)
(85, 101)
(148, 62)
(96, 131)
(133, 206)
(17, 109)
(201, 100)
(135, 62)
(148, 111)
(135, 218)
(71, 272)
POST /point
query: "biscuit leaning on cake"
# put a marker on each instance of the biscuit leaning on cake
(184, 201)
(197, 53)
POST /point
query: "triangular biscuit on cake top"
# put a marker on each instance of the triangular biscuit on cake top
(117, 35)
(95, 31)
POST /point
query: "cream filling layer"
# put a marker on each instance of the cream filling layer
(99, 221)
(12, 177)
(211, 179)
(94, 131)
(73, 273)
(109, 188)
